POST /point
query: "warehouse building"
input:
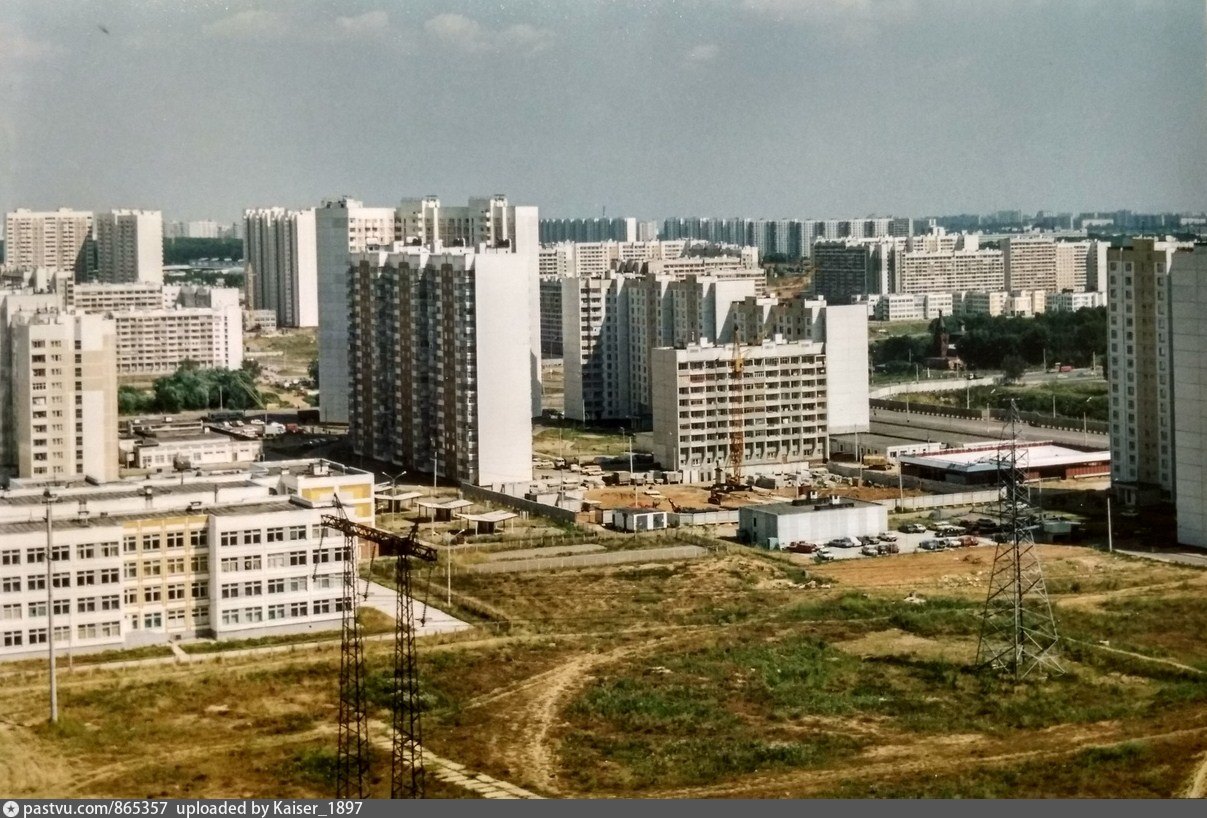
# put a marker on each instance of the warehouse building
(811, 520)
(977, 465)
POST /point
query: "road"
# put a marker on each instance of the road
(914, 426)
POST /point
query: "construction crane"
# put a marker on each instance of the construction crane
(737, 434)
(406, 771)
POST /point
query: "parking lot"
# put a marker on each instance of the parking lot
(907, 543)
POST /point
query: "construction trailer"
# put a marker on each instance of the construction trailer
(639, 519)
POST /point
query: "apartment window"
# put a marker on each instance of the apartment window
(35, 555)
(199, 590)
(85, 552)
(323, 555)
(230, 617)
(279, 560)
(176, 565)
(175, 618)
(36, 609)
(85, 578)
(297, 609)
(10, 557)
(322, 606)
(229, 538)
(198, 538)
(111, 628)
(12, 639)
(251, 562)
(36, 583)
(176, 591)
(11, 610)
(229, 564)
(109, 549)
(85, 605)
(252, 588)
(230, 590)
(129, 544)
(108, 576)
(252, 536)
(201, 615)
(151, 568)
(297, 532)
(297, 557)
(275, 535)
(10, 585)
(62, 580)
(198, 564)
(297, 584)
(276, 611)
(37, 636)
(152, 594)
(276, 586)
(152, 620)
(175, 539)
(60, 553)
(150, 542)
(253, 614)
(110, 603)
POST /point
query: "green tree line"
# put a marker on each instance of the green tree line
(184, 250)
(190, 388)
(987, 341)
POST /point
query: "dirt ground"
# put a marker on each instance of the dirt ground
(694, 496)
(592, 682)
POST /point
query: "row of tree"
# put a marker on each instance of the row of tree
(191, 387)
(186, 250)
(990, 342)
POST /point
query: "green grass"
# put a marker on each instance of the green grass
(1140, 769)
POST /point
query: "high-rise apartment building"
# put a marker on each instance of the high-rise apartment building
(345, 226)
(848, 268)
(281, 264)
(58, 240)
(64, 395)
(1188, 326)
(1140, 370)
(129, 246)
(924, 272)
(438, 360)
(590, 230)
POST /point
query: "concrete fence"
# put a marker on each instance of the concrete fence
(1037, 419)
(669, 553)
(962, 498)
(561, 515)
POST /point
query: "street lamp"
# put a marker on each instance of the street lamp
(48, 499)
(394, 494)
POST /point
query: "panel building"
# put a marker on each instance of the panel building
(129, 246)
(1140, 370)
(57, 240)
(232, 555)
(438, 361)
(345, 226)
(63, 395)
(281, 264)
(1188, 326)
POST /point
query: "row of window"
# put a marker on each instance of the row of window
(254, 536)
(282, 559)
(38, 636)
(282, 585)
(37, 582)
(34, 610)
(292, 610)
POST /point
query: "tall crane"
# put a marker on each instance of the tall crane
(737, 433)
(406, 771)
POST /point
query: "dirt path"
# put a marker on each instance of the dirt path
(1157, 659)
(1198, 784)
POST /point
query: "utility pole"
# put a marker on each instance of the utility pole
(1110, 540)
(49, 498)
(632, 477)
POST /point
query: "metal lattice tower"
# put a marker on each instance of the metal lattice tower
(1018, 631)
(406, 767)
(352, 760)
(406, 779)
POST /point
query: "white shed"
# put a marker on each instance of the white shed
(638, 519)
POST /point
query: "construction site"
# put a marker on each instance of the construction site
(726, 671)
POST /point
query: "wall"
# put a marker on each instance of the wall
(482, 494)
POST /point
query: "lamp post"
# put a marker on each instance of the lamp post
(394, 494)
(632, 477)
(48, 499)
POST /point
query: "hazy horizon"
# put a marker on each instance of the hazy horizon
(757, 108)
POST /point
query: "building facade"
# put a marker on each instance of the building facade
(1140, 370)
(57, 240)
(64, 395)
(235, 555)
(129, 246)
(281, 264)
(438, 361)
(1188, 326)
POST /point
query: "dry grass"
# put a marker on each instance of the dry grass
(727, 676)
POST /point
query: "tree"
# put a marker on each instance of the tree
(252, 368)
(1013, 367)
(313, 371)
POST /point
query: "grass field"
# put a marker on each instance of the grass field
(738, 675)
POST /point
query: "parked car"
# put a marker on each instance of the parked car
(823, 555)
(870, 551)
(843, 542)
(953, 542)
(888, 548)
(868, 540)
(949, 531)
(913, 528)
(888, 537)
(802, 547)
(932, 545)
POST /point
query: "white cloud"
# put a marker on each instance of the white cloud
(701, 54)
(251, 24)
(468, 35)
(18, 48)
(262, 25)
(369, 24)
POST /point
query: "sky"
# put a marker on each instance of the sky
(757, 108)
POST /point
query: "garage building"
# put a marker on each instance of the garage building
(810, 520)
